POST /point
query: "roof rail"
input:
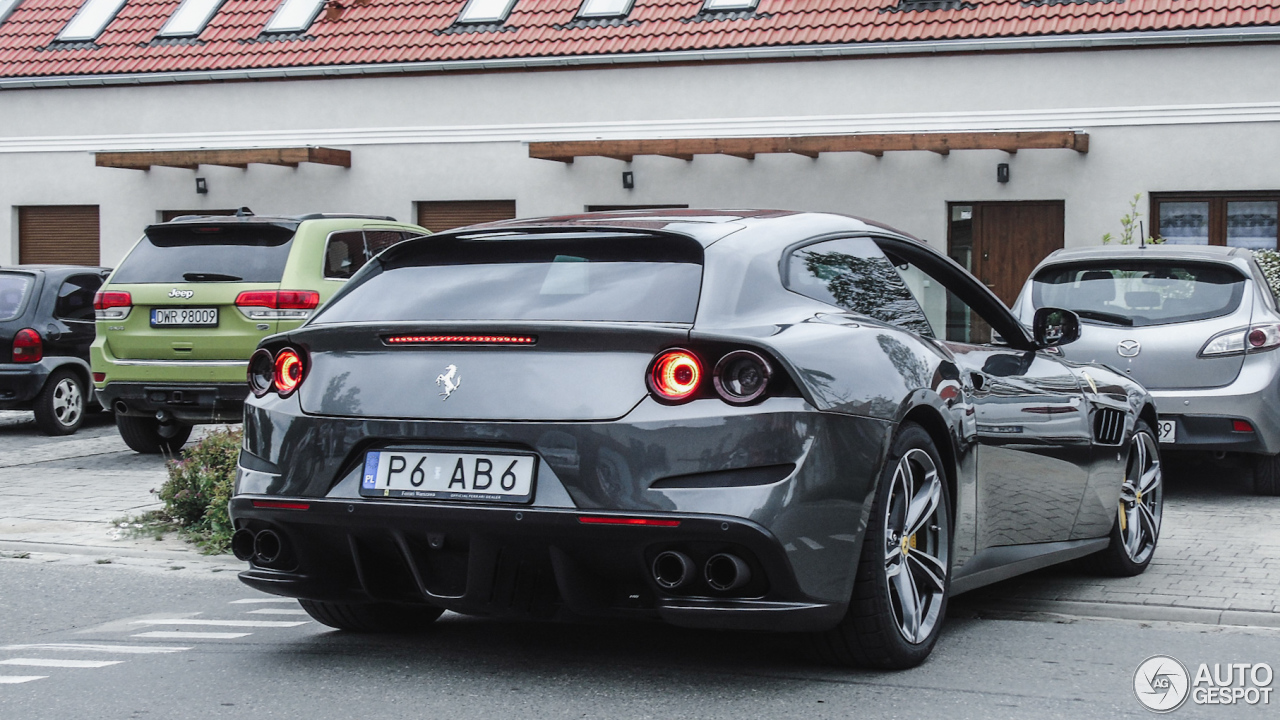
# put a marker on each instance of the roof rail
(343, 216)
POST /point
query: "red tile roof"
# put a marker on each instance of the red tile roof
(351, 32)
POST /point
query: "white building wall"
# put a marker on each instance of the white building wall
(1184, 119)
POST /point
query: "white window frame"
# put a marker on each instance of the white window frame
(729, 5)
(466, 17)
(287, 9)
(6, 9)
(180, 23)
(90, 20)
(586, 12)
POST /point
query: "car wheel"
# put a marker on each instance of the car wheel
(60, 405)
(904, 574)
(1266, 475)
(151, 437)
(372, 617)
(1137, 528)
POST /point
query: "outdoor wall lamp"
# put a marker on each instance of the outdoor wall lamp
(1002, 173)
(202, 187)
(628, 180)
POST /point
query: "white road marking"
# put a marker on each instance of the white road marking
(15, 679)
(276, 611)
(183, 635)
(225, 623)
(51, 662)
(813, 544)
(252, 601)
(83, 647)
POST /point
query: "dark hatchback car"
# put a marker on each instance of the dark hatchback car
(725, 419)
(46, 328)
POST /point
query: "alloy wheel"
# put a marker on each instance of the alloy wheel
(917, 545)
(68, 401)
(1141, 498)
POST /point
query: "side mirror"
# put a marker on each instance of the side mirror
(1053, 327)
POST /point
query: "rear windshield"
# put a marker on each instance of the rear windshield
(601, 277)
(207, 253)
(13, 294)
(1140, 293)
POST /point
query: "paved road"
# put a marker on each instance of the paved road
(129, 642)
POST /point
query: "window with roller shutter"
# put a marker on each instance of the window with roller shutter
(58, 235)
(438, 216)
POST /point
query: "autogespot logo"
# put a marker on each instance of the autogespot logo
(1161, 684)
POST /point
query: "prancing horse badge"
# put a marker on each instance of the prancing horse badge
(449, 380)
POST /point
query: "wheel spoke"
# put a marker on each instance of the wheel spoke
(930, 567)
(1150, 479)
(924, 504)
(1148, 524)
(909, 599)
(1133, 534)
(1142, 454)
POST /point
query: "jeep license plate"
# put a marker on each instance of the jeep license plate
(184, 317)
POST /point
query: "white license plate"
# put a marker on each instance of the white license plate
(174, 317)
(486, 477)
(1168, 431)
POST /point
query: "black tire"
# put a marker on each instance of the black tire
(372, 617)
(1266, 475)
(871, 634)
(1117, 560)
(150, 437)
(61, 404)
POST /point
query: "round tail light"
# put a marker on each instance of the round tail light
(675, 375)
(741, 376)
(288, 371)
(262, 372)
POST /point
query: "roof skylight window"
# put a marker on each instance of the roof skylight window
(604, 8)
(190, 18)
(486, 11)
(722, 5)
(294, 16)
(6, 8)
(91, 20)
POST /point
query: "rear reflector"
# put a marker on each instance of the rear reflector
(650, 522)
(99, 377)
(280, 505)
(1241, 426)
(462, 340)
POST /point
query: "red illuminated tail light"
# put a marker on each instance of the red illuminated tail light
(288, 371)
(633, 521)
(277, 304)
(27, 346)
(675, 375)
(462, 340)
(112, 305)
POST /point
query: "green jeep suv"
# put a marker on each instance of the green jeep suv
(180, 316)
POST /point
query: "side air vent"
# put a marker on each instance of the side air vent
(1108, 426)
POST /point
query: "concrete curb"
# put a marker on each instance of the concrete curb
(122, 551)
(1129, 611)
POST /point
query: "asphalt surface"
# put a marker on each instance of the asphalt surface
(76, 612)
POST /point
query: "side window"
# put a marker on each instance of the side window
(951, 318)
(75, 297)
(344, 254)
(852, 273)
(379, 240)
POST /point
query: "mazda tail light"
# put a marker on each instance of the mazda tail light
(112, 305)
(277, 304)
(1255, 338)
(675, 375)
(27, 346)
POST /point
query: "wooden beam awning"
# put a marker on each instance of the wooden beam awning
(192, 159)
(812, 145)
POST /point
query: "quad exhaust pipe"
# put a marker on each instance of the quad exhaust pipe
(672, 569)
(264, 547)
(724, 572)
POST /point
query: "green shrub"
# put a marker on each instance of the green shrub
(1269, 261)
(199, 487)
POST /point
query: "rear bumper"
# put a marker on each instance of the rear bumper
(21, 382)
(524, 562)
(188, 402)
(1206, 414)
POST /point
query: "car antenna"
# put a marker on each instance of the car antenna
(1142, 236)
(244, 212)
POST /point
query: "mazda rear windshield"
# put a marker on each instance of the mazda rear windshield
(603, 277)
(1138, 293)
(13, 294)
(185, 253)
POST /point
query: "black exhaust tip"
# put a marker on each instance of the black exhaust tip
(672, 569)
(726, 572)
(242, 545)
(120, 408)
(267, 547)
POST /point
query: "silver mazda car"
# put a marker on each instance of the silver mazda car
(1197, 325)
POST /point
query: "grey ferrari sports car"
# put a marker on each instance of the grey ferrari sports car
(759, 420)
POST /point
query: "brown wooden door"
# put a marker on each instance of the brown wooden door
(1010, 239)
(58, 234)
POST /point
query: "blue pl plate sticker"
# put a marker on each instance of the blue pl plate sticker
(371, 470)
